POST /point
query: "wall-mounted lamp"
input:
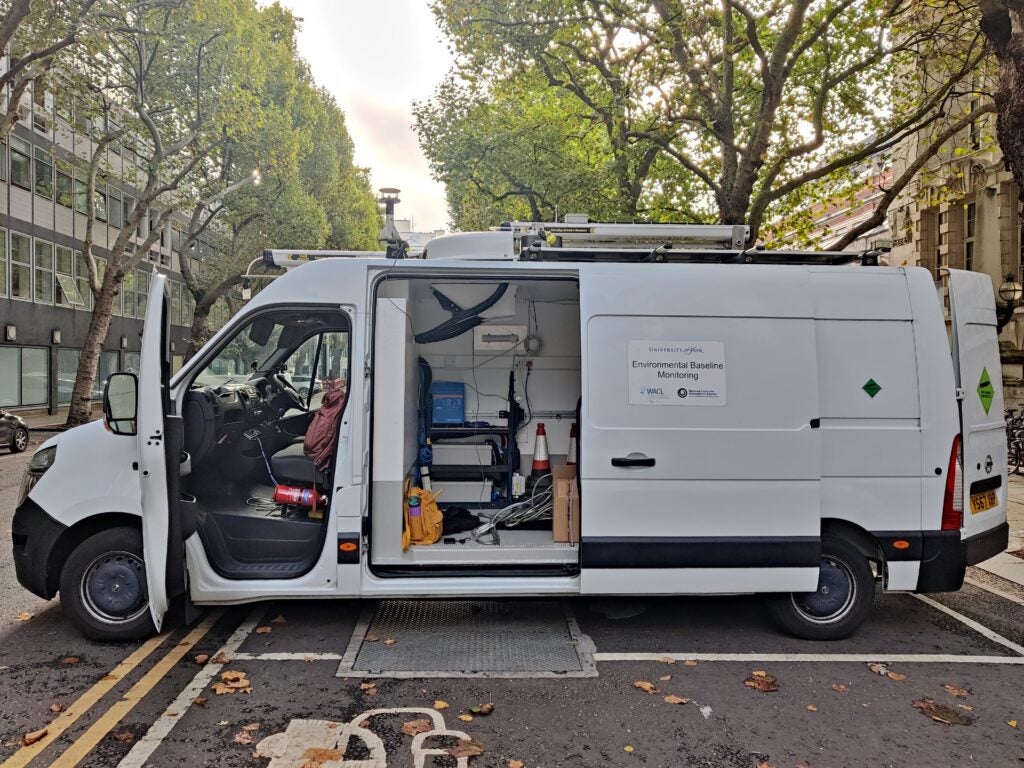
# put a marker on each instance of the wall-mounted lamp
(11, 332)
(1009, 293)
(124, 342)
(55, 336)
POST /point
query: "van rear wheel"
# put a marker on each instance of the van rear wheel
(103, 586)
(842, 601)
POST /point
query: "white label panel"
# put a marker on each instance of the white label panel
(676, 372)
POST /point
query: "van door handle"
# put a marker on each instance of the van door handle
(625, 461)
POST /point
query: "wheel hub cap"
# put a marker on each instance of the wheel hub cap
(115, 586)
(834, 586)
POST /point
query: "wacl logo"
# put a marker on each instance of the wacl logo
(652, 391)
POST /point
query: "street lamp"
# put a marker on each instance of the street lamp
(1009, 293)
(256, 176)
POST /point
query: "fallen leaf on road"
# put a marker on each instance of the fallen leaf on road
(220, 658)
(466, 718)
(413, 727)
(839, 688)
(123, 736)
(668, 660)
(242, 738)
(690, 663)
(24, 616)
(482, 709)
(108, 678)
(199, 701)
(895, 676)
(940, 713)
(811, 708)
(57, 707)
(466, 749)
(232, 681)
(516, 764)
(279, 620)
(371, 638)
(665, 678)
(645, 686)
(802, 765)
(264, 630)
(201, 658)
(440, 704)
(968, 707)
(308, 659)
(251, 727)
(673, 699)
(1012, 723)
(878, 669)
(952, 690)
(764, 765)
(628, 748)
(389, 641)
(761, 681)
(70, 660)
(33, 736)
(370, 688)
(315, 757)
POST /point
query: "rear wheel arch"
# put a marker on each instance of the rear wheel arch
(76, 534)
(861, 538)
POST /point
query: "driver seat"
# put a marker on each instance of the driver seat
(292, 466)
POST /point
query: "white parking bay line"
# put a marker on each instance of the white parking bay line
(159, 730)
(918, 658)
(287, 657)
(981, 629)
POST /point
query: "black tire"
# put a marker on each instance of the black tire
(843, 600)
(103, 587)
(19, 440)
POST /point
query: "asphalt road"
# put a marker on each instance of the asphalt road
(153, 704)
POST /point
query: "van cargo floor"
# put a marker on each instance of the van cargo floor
(468, 638)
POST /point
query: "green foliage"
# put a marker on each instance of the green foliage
(678, 109)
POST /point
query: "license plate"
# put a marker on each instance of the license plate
(982, 502)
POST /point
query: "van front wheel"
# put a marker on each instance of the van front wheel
(103, 586)
(842, 601)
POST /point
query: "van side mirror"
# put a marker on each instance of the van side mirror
(121, 403)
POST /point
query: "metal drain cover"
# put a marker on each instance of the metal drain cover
(468, 638)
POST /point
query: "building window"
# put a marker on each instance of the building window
(128, 293)
(24, 376)
(3, 160)
(114, 210)
(142, 291)
(67, 369)
(970, 221)
(129, 206)
(3, 262)
(81, 193)
(82, 277)
(44, 272)
(100, 203)
(66, 290)
(175, 303)
(63, 185)
(132, 361)
(44, 174)
(974, 132)
(21, 267)
(21, 163)
(109, 363)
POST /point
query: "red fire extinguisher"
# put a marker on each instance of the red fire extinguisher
(297, 497)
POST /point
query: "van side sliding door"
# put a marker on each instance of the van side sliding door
(700, 454)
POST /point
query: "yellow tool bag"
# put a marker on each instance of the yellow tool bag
(423, 519)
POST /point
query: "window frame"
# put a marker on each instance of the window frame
(42, 273)
(26, 155)
(25, 265)
(43, 159)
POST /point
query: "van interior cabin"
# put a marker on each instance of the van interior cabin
(246, 415)
(464, 373)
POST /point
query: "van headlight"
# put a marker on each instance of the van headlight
(41, 461)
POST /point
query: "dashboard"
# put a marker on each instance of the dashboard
(218, 416)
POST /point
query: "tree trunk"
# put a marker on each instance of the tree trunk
(80, 409)
(1001, 23)
(200, 332)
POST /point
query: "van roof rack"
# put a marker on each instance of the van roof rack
(582, 240)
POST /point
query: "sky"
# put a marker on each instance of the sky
(376, 57)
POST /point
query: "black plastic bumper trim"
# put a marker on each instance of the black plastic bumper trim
(700, 552)
(35, 534)
(988, 544)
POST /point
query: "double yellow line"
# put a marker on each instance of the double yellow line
(106, 722)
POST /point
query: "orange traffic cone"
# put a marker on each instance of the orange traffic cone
(571, 460)
(541, 460)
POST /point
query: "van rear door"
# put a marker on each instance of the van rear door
(979, 379)
(159, 441)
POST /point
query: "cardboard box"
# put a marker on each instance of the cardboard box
(565, 526)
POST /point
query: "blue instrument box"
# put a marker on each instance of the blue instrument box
(449, 398)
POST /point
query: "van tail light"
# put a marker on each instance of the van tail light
(953, 501)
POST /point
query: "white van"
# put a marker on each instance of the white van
(748, 421)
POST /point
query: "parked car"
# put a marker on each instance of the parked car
(13, 431)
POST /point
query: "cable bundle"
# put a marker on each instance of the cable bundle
(540, 506)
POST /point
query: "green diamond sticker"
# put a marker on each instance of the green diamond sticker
(986, 392)
(872, 388)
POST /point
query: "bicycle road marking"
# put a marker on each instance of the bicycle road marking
(85, 702)
(85, 743)
(144, 748)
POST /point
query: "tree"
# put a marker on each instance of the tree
(719, 109)
(176, 75)
(1002, 22)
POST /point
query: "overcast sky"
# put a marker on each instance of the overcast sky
(377, 57)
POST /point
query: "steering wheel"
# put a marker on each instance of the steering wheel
(282, 385)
